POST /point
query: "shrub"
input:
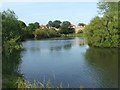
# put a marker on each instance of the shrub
(46, 33)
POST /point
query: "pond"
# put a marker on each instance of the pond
(68, 62)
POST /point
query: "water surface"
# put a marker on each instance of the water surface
(68, 62)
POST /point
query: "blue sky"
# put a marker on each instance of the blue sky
(42, 12)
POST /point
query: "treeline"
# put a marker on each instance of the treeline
(52, 29)
(104, 31)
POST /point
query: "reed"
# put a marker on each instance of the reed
(23, 84)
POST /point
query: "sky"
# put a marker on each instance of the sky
(42, 12)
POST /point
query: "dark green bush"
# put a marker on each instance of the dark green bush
(103, 31)
(46, 33)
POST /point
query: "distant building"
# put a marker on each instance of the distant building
(57, 29)
(73, 26)
(43, 26)
(80, 27)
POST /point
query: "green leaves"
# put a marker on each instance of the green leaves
(45, 33)
(66, 28)
(103, 31)
(11, 32)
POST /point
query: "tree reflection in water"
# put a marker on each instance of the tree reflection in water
(105, 61)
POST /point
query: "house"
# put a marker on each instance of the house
(43, 26)
(80, 27)
(57, 29)
(73, 26)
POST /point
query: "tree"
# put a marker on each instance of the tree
(107, 7)
(10, 25)
(66, 28)
(81, 24)
(11, 46)
(31, 28)
(36, 25)
(11, 32)
(103, 31)
(22, 24)
(56, 23)
(50, 24)
(46, 33)
(25, 33)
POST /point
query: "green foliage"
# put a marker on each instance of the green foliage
(10, 25)
(81, 24)
(80, 31)
(11, 32)
(28, 31)
(46, 33)
(11, 46)
(10, 63)
(107, 7)
(50, 24)
(103, 31)
(32, 27)
(66, 28)
(21, 83)
(55, 24)
(22, 24)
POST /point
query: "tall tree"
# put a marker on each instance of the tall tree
(31, 28)
(81, 24)
(66, 28)
(11, 32)
(56, 23)
(103, 31)
(107, 7)
(50, 24)
(22, 24)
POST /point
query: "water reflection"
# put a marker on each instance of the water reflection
(105, 63)
(67, 46)
(67, 61)
(59, 48)
(35, 49)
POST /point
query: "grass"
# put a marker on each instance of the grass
(21, 83)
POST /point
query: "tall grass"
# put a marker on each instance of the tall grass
(21, 83)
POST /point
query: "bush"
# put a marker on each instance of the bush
(80, 31)
(102, 32)
(46, 33)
